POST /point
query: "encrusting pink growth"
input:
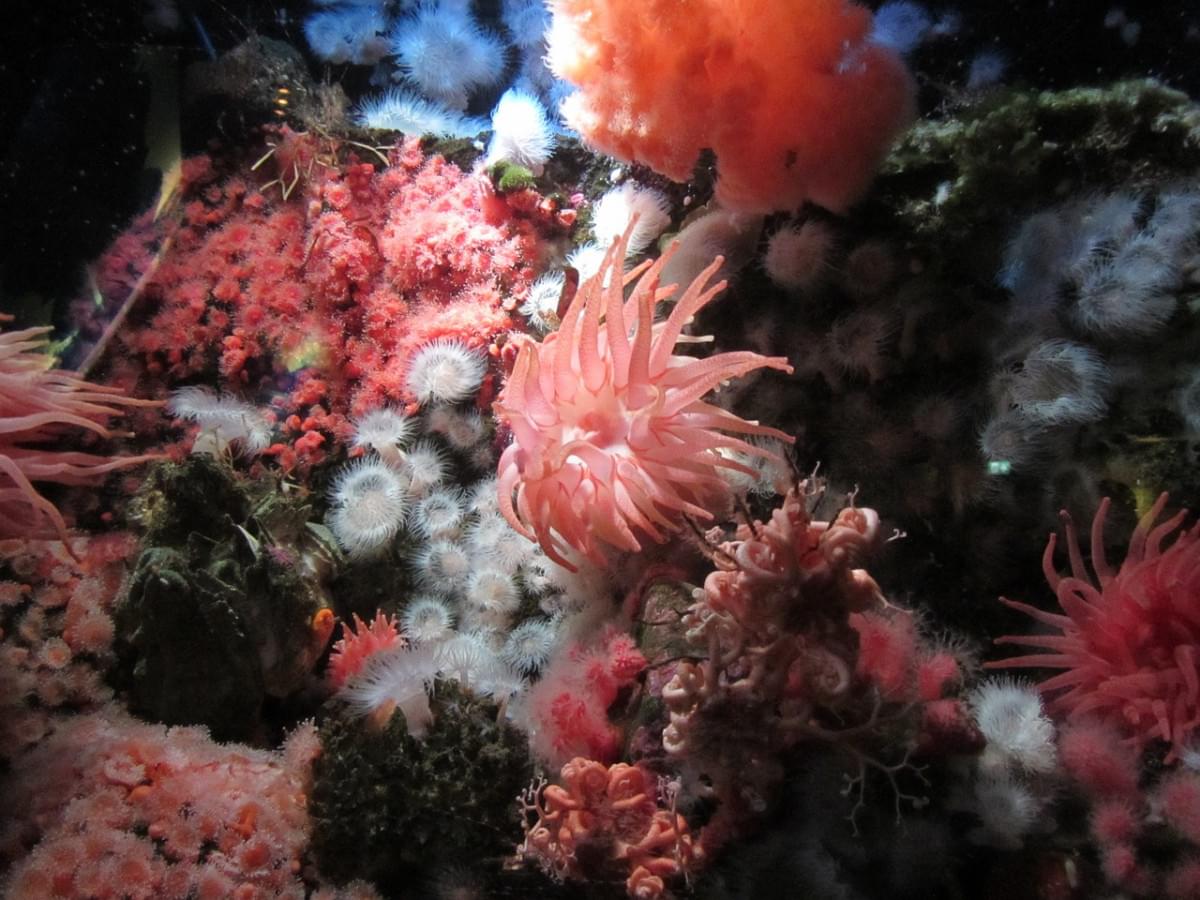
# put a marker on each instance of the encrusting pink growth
(37, 403)
(568, 706)
(121, 808)
(610, 433)
(1129, 645)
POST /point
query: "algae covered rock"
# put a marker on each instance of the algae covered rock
(386, 806)
(954, 179)
(227, 604)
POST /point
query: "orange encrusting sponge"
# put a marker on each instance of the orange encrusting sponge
(795, 100)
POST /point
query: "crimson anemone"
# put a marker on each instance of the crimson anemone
(1129, 645)
(610, 433)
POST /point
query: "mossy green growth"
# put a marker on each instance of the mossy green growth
(222, 607)
(969, 175)
(393, 809)
(508, 177)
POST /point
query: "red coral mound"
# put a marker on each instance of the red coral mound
(124, 809)
(39, 404)
(1129, 642)
(793, 97)
(609, 429)
(317, 301)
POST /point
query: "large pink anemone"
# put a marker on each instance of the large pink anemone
(1129, 645)
(37, 405)
(610, 433)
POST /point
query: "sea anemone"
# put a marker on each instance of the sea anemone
(609, 429)
(368, 506)
(438, 513)
(224, 421)
(444, 371)
(1129, 642)
(521, 133)
(798, 256)
(446, 54)
(1010, 716)
(541, 305)
(400, 110)
(385, 431)
(38, 404)
(529, 645)
(427, 619)
(425, 466)
(443, 565)
(619, 206)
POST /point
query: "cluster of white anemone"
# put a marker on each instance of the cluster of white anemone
(1010, 785)
(487, 606)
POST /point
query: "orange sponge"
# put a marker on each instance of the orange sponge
(792, 96)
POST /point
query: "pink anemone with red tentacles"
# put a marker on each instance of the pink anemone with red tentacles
(1129, 640)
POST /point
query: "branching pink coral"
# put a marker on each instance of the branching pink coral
(38, 404)
(610, 433)
(1129, 641)
(793, 97)
(606, 815)
(795, 643)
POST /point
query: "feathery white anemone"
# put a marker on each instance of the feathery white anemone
(224, 421)
(425, 466)
(400, 678)
(528, 647)
(445, 371)
(438, 513)
(616, 208)
(445, 53)
(521, 132)
(427, 619)
(1011, 717)
(350, 34)
(541, 305)
(385, 431)
(444, 566)
(462, 429)
(369, 503)
(400, 110)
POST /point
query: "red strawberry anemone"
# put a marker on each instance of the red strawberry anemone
(1129, 642)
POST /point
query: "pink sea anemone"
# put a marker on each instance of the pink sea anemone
(1129, 645)
(609, 429)
(38, 404)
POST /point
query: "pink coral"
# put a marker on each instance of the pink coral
(610, 433)
(37, 405)
(607, 816)
(1129, 641)
(117, 808)
(317, 301)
